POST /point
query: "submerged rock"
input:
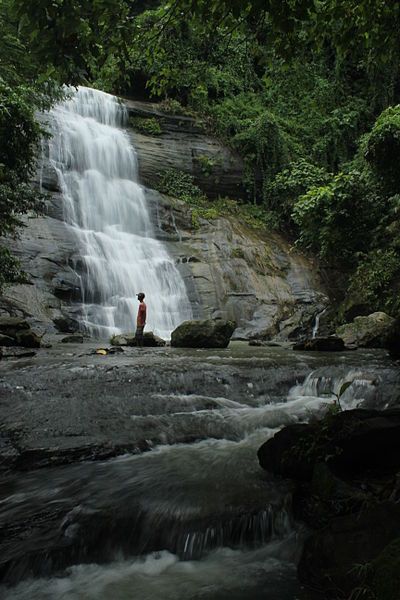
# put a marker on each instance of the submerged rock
(367, 332)
(75, 338)
(321, 344)
(203, 334)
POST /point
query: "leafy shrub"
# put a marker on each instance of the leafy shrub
(382, 147)
(337, 220)
(376, 280)
(179, 185)
(207, 163)
(285, 189)
(146, 125)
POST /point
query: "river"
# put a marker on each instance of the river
(194, 517)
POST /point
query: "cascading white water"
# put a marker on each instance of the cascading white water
(316, 323)
(117, 254)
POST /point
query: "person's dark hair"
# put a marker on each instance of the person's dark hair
(140, 296)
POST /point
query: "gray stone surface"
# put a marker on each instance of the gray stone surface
(183, 145)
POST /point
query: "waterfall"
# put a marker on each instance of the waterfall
(117, 254)
(316, 323)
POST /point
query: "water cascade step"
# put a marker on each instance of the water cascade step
(117, 255)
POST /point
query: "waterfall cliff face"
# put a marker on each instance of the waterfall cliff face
(117, 255)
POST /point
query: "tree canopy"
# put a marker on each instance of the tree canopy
(307, 91)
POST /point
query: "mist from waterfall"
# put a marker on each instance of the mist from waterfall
(117, 254)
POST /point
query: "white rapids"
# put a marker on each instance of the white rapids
(117, 255)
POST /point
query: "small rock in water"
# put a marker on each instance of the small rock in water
(76, 338)
(16, 353)
(129, 339)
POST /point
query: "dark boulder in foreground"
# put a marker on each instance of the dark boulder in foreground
(321, 344)
(203, 334)
(348, 492)
(352, 442)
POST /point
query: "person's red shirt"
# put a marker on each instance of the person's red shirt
(141, 316)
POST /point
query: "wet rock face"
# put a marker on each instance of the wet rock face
(237, 273)
(203, 334)
(183, 145)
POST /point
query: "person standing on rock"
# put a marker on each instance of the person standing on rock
(140, 320)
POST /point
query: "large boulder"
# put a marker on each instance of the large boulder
(367, 332)
(203, 334)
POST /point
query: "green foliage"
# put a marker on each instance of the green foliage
(337, 220)
(382, 148)
(9, 268)
(238, 253)
(282, 193)
(172, 106)
(23, 91)
(291, 86)
(149, 126)
(179, 185)
(375, 283)
(207, 163)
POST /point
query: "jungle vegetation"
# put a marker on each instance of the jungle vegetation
(306, 91)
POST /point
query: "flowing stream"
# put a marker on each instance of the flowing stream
(195, 518)
(117, 255)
